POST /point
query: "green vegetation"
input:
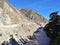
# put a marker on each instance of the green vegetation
(53, 28)
(0, 34)
(16, 34)
(11, 35)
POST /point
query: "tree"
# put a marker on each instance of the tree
(53, 29)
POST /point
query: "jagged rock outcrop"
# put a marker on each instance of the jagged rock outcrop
(14, 23)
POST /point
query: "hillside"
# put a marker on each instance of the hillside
(15, 23)
(33, 16)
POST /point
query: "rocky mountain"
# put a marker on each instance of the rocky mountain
(33, 16)
(19, 24)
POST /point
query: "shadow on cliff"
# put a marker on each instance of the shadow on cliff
(12, 41)
(39, 38)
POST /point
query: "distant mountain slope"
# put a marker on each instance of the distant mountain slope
(33, 16)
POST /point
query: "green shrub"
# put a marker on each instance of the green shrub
(11, 35)
(53, 29)
(16, 34)
(0, 34)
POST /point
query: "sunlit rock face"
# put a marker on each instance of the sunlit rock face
(33, 16)
(14, 23)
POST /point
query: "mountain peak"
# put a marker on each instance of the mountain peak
(33, 16)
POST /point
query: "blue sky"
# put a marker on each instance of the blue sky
(43, 7)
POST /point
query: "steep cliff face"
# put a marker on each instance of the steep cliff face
(15, 23)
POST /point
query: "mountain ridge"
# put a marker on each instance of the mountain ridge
(14, 23)
(32, 15)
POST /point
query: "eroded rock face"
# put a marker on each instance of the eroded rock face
(14, 23)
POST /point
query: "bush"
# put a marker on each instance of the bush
(16, 34)
(11, 35)
(0, 34)
(53, 29)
